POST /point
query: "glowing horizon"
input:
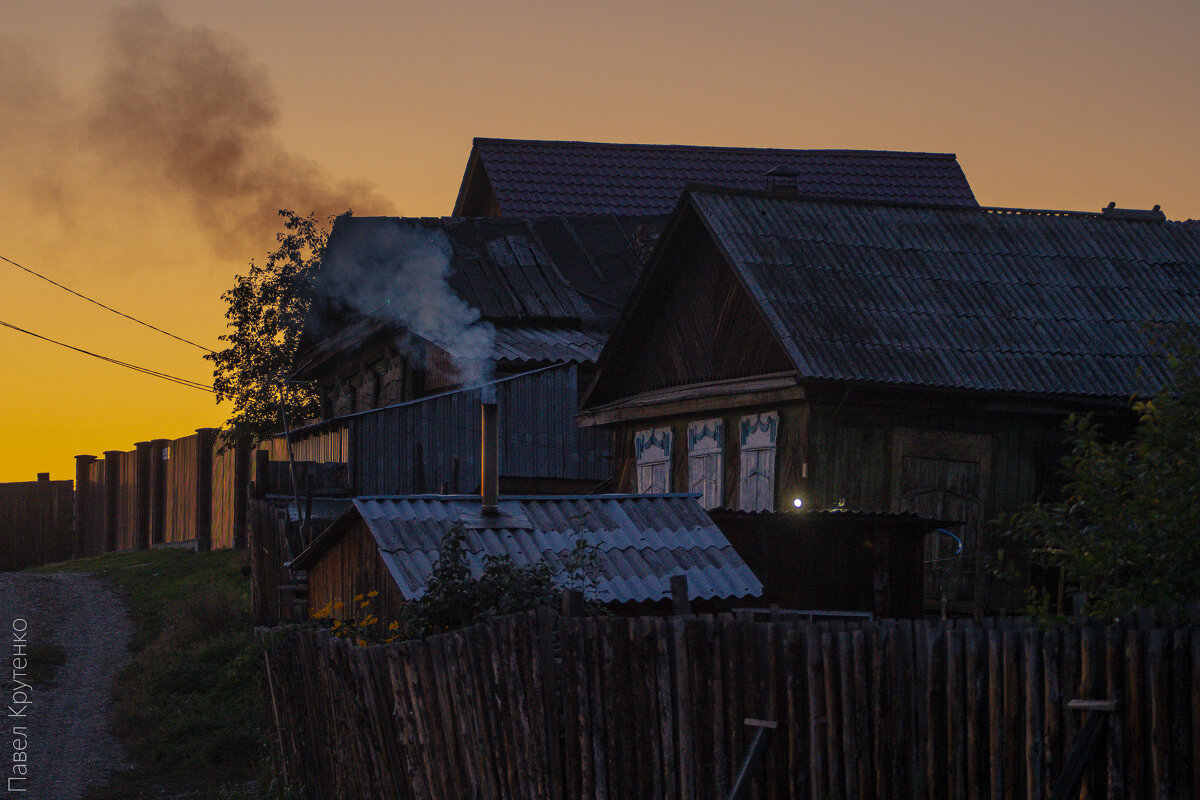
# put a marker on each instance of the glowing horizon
(148, 145)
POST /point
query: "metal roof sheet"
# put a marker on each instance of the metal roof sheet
(988, 299)
(640, 540)
(545, 177)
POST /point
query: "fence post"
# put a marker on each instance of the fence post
(112, 489)
(262, 472)
(679, 596)
(204, 467)
(82, 501)
(241, 492)
(158, 491)
(143, 495)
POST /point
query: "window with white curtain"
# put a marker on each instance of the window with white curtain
(653, 452)
(756, 434)
(705, 461)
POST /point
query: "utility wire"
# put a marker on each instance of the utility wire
(144, 370)
(107, 308)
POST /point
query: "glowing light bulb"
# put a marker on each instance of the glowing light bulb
(797, 502)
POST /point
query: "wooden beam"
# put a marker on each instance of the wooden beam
(694, 397)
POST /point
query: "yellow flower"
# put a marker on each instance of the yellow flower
(373, 593)
(358, 597)
(393, 626)
(361, 642)
(338, 604)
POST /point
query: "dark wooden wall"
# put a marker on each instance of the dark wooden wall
(874, 451)
(352, 567)
(705, 328)
(37, 523)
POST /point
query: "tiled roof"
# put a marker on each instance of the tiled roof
(538, 177)
(641, 541)
(989, 299)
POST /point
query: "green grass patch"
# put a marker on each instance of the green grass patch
(189, 705)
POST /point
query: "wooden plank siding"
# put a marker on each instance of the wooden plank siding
(92, 517)
(705, 328)
(838, 452)
(352, 567)
(37, 523)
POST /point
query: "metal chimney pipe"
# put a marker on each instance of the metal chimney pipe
(489, 472)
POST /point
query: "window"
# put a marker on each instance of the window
(653, 449)
(705, 462)
(757, 434)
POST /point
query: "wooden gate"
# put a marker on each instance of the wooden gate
(943, 475)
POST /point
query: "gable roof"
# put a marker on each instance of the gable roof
(641, 541)
(551, 275)
(515, 177)
(1009, 300)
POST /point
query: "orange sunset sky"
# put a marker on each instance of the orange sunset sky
(144, 147)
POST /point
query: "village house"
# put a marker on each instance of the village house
(549, 278)
(784, 352)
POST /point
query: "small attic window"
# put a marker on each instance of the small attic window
(653, 453)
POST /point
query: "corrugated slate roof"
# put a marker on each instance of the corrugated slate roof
(543, 177)
(552, 272)
(990, 299)
(641, 541)
(547, 344)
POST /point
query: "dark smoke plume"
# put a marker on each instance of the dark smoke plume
(181, 113)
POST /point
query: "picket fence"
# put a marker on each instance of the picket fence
(540, 706)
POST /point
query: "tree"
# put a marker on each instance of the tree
(1127, 531)
(265, 315)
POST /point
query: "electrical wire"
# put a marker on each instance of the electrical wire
(144, 370)
(106, 308)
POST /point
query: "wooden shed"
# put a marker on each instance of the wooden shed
(390, 545)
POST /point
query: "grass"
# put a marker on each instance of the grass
(188, 706)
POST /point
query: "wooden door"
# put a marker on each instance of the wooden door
(945, 476)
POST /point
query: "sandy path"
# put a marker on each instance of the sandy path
(70, 744)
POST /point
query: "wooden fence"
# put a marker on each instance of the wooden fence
(537, 706)
(35, 523)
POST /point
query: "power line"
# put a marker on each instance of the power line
(144, 370)
(107, 308)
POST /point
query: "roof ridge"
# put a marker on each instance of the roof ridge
(768, 194)
(719, 148)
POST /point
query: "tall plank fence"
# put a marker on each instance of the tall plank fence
(35, 523)
(538, 706)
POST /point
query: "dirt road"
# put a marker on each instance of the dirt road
(66, 734)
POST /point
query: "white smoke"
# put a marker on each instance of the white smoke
(397, 271)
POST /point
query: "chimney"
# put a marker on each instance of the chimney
(489, 473)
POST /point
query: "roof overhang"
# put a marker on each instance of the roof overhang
(697, 397)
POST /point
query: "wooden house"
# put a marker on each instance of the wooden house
(884, 357)
(549, 278)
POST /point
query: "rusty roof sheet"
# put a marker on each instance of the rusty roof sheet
(641, 541)
(530, 177)
(988, 299)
